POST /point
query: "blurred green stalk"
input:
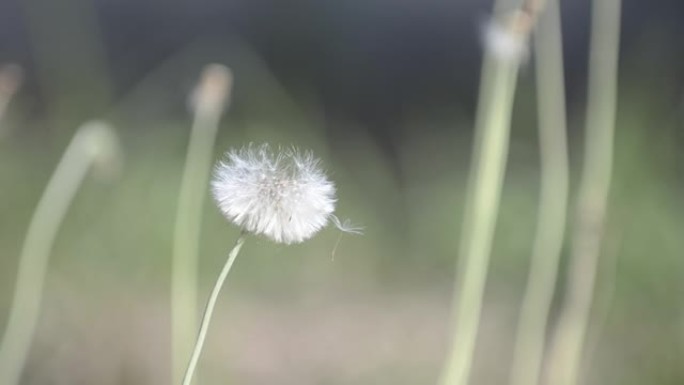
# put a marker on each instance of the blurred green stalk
(565, 357)
(499, 77)
(94, 144)
(10, 80)
(208, 101)
(551, 217)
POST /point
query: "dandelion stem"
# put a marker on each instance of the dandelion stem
(489, 159)
(551, 217)
(59, 193)
(567, 346)
(209, 103)
(209, 310)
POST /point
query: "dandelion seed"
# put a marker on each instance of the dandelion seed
(285, 196)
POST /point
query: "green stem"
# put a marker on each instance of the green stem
(541, 281)
(565, 357)
(489, 161)
(33, 260)
(209, 105)
(209, 310)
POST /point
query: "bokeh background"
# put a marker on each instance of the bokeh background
(384, 92)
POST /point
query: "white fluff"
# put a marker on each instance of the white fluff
(504, 43)
(284, 196)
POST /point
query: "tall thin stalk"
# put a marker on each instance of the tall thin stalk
(569, 337)
(209, 310)
(505, 44)
(93, 143)
(551, 217)
(209, 101)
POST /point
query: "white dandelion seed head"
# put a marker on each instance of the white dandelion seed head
(504, 42)
(285, 196)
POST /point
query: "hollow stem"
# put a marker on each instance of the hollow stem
(85, 149)
(567, 347)
(551, 217)
(209, 101)
(486, 177)
(209, 310)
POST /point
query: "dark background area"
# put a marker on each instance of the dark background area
(364, 60)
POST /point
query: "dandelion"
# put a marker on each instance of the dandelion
(503, 42)
(208, 101)
(506, 38)
(284, 196)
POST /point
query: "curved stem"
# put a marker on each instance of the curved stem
(40, 236)
(551, 217)
(209, 310)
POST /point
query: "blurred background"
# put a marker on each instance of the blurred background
(385, 93)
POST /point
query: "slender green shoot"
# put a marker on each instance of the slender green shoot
(208, 101)
(209, 310)
(505, 44)
(94, 144)
(541, 282)
(567, 349)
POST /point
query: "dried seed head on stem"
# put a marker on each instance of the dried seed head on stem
(505, 45)
(284, 195)
(506, 37)
(208, 101)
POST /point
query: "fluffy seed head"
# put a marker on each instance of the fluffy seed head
(284, 196)
(505, 39)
